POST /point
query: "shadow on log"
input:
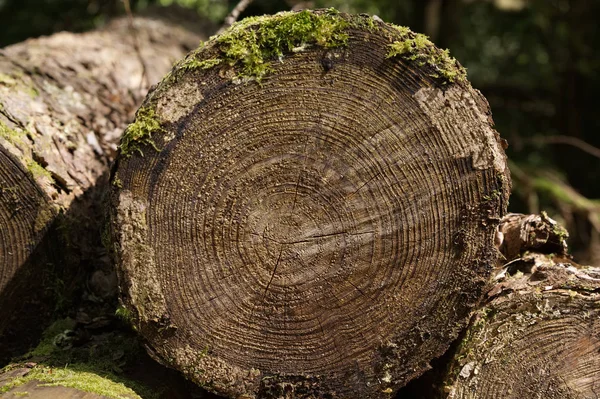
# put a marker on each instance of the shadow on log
(315, 208)
(64, 101)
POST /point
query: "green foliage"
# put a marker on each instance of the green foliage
(214, 10)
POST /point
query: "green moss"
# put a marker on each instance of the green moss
(416, 47)
(46, 345)
(364, 22)
(193, 63)
(18, 80)
(403, 30)
(7, 80)
(106, 357)
(117, 182)
(140, 132)
(44, 217)
(14, 137)
(124, 314)
(253, 44)
(74, 377)
(38, 171)
(493, 196)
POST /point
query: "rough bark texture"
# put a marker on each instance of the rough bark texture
(64, 101)
(315, 209)
(537, 337)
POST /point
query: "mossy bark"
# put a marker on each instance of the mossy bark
(305, 211)
(40, 382)
(64, 101)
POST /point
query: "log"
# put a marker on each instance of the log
(306, 206)
(64, 101)
(536, 337)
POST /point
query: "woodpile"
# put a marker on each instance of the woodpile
(309, 205)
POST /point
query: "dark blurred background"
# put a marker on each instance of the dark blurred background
(537, 62)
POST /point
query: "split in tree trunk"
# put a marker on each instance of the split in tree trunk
(64, 101)
(314, 211)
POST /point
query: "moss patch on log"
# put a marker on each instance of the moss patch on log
(140, 132)
(252, 44)
(38, 171)
(95, 367)
(416, 47)
(12, 136)
(73, 377)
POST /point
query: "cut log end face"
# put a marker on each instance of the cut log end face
(322, 232)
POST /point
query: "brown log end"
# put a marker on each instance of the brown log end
(536, 337)
(306, 207)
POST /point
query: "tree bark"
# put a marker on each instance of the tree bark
(64, 101)
(306, 208)
(536, 337)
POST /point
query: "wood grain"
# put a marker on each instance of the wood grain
(320, 234)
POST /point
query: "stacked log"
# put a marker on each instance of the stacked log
(536, 335)
(306, 207)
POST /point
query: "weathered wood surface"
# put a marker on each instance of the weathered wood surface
(536, 337)
(64, 101)
(307, 207)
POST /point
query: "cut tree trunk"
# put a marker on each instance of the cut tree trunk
(537, 337)
(64, 101)
(306, 207)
